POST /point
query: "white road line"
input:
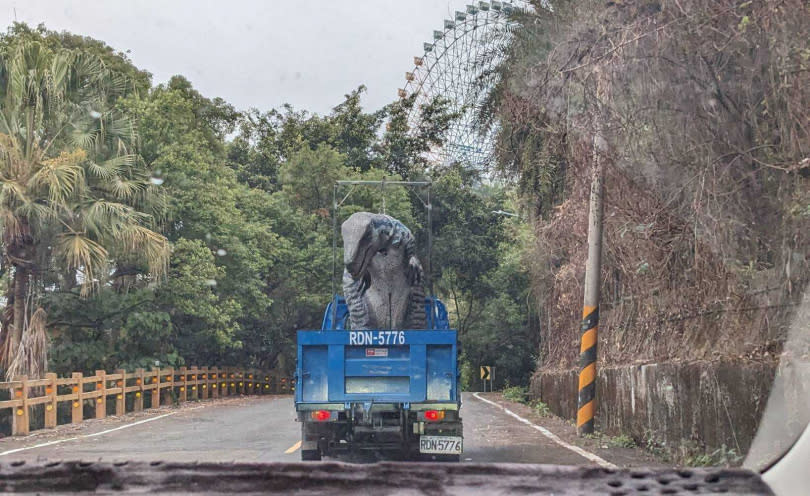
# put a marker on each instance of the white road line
(576, 449)
(58, 441)
(293, 448)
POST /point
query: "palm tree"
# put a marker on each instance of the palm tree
(73, 194)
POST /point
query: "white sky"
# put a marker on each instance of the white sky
(258, 53)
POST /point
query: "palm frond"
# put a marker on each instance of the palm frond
(79, 252)
(62, 176)
(11, 224)
(40, 213)
(113, 167)
(106, 219)
(31, 358)
(153, 247)
(12, 193)
(126, 189)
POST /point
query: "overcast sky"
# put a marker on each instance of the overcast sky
(258, 53)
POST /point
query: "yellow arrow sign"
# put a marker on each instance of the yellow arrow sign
(485, 372)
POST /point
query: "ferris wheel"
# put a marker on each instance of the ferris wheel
(459, 65)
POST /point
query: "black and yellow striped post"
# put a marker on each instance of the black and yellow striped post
(586, 399)
(586, 396)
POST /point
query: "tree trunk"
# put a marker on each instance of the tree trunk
(20, 254)
(20, 288)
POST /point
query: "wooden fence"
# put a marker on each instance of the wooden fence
(163, 386)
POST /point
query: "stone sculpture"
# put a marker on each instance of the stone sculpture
(382, 280)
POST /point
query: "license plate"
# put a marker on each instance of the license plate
(440, 445)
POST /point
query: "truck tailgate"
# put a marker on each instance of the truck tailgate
(376, 366)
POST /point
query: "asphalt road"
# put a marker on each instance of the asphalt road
(263, 429)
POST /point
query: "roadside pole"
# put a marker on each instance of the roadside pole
(586, 399)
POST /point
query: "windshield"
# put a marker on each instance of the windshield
(558, 232)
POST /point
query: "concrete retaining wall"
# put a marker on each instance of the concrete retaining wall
(708, 404)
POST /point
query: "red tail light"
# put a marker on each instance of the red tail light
(321, 415)
(434, 415)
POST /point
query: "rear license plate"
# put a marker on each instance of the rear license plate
(440, 445)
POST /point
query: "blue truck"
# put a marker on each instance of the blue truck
(379, 390)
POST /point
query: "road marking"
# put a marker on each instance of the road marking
(576, 449)
(292, 448)
(59, 441)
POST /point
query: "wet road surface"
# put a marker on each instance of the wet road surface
(263, 429)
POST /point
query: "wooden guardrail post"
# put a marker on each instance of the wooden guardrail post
(204, 383)
(241, 378)
(155, 394)
(183, 397)
(120, 405)
(20, 423)
(213, 385)
(50, 406)
(77, 408)
(137, 405)
(101, 401)
(195, 378)
(170, 380)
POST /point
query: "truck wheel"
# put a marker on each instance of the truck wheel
(310, 455)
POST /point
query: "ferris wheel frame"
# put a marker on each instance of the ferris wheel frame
(459, 65)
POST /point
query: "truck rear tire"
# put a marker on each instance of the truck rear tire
(310, 455)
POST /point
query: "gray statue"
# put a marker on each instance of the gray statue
(382, 280)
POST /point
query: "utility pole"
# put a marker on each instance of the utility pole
(586, 399)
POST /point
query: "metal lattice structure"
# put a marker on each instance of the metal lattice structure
(459, 65)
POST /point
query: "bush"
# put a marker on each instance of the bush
(623, 441)
(467, 375)
(516, 393)
(541, 408)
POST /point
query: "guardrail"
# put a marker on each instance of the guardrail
(162, 385)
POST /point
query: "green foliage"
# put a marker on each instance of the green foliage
(623, 441)
(518, 394)
(541, 408)
(468, 374)
(480, 274)
(75, 197)
(693, 456)
(309, 175)
(245, 199)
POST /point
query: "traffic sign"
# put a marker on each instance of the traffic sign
(485, 372)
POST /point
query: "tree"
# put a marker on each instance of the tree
(402, 149)
(72, 189)
(309, 176)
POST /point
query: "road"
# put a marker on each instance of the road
(263, 429)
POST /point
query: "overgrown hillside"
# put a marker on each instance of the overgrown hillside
(703, 106)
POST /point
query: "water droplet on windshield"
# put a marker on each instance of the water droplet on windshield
(221, 252)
